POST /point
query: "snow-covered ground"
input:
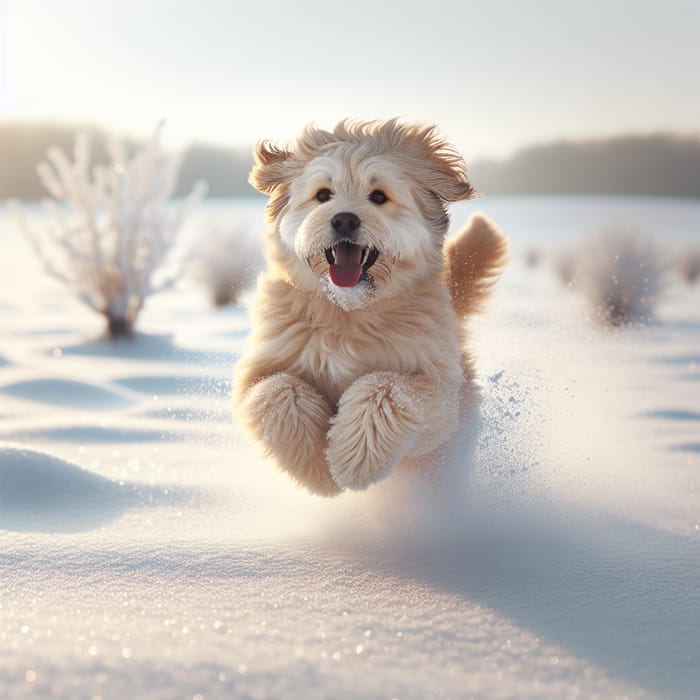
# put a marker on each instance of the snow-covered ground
(147, 551)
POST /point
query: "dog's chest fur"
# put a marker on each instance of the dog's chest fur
(311, 337)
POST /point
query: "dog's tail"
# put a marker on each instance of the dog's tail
(474, 259)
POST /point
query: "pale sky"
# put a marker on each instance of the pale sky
(495, 74)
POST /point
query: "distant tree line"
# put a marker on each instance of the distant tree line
(657, 165)
(653, 165)
(24, 146)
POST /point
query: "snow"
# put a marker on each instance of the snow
(67, 392)
(347, 298)
(43, 493)
(147, 550)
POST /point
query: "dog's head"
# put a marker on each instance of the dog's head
(360, 211)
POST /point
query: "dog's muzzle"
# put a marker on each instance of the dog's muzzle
(347, 264)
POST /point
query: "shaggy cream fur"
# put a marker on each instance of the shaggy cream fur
(341, 382)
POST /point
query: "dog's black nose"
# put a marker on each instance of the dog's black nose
(345, 223)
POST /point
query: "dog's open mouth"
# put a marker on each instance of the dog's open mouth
(348, 262)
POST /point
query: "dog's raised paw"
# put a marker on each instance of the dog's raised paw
(290, 419)
(374, 428)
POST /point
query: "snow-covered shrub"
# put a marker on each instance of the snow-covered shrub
(111, 225)
(226, 261)
(689, 265)
(623, 275)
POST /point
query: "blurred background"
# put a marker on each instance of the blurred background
(540, 97)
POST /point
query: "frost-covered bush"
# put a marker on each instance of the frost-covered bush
(111, 226)
(226, 261)
(689, 265)
(623, 275)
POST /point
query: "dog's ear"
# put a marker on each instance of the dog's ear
(445, 174)
(450, 187)
(271, 167)
(442, 170)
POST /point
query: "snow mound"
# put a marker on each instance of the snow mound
(674, 415)
(176, 384)
(142, 346)
(68, 392)
(39, 492)
(83, 434)
(149, 347)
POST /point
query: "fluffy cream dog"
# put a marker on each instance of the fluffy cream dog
(356, 360)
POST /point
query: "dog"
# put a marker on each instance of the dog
(357, 357)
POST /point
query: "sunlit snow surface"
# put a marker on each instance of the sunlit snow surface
(147, 551)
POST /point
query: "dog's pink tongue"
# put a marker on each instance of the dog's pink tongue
(347, 270)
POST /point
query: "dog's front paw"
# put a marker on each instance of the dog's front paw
(376, 424)
(290, 419)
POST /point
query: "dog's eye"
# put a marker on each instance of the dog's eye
(378, 197)
(324, 194)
